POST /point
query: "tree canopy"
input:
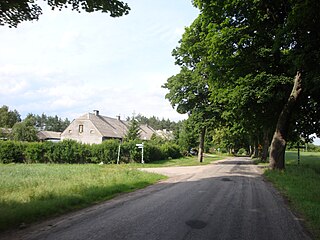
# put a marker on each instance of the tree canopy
(8, 117)
(14, 12)
(25, 130)
(133, 130)
(261, 62)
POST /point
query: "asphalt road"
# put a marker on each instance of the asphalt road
(228, 200)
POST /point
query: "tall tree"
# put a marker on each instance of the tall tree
(277, 38)
(187, 135)
(189, 90)
(25, 130)
(50, 123)
(13, 12)
(8, 117)
(133, 131)
(190, 94)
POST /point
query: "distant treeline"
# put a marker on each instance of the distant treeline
(8, 118)
(156, 123)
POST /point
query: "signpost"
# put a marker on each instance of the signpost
(140, 145)
(298, 146)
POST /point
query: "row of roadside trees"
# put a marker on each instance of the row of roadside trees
(250, 73)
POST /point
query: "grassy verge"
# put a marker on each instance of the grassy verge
(300, 184)
(33, 192)
(185, 161)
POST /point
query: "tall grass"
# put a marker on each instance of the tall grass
(301, 185)
(34, 192)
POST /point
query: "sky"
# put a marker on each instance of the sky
(70, 63)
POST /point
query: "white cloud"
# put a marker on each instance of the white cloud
(68, 63)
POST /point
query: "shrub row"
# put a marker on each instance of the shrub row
(69, 151)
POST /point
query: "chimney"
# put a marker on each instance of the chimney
(118, 117)
(96, 112)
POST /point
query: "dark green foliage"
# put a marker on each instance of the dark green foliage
(14, 12)
(50, 155)
(8, 118)
(156, 123)
(24, 131)
(105, 152)
(170, 150)
(152, 152)
(67, 151)
(133, 131)
(129, 152)
(242, 151)
(34, 152)
(50, 123)
(11, 152)
(70, 151)
(246, 54)
(187, 136)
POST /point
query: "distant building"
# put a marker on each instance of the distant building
(94, 128)
(49, 136)
(165, 134)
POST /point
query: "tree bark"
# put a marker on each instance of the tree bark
(201, 144)
(278, 144)
(265, 147)
(255, 152)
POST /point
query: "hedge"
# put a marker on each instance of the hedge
(69, 151)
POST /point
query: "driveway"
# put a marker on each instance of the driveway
(225, 200)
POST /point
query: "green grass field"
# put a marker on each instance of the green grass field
(31, 192)
(301, 185)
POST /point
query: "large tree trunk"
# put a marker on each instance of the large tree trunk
(278, 144)
(201, 144)
(265, 147)
(255, 152)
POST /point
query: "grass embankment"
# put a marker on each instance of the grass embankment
(301, 185)
(33, 192)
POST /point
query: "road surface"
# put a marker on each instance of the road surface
(226, 200)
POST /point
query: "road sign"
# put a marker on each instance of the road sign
(140, 145)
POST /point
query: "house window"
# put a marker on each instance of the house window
(80, 128)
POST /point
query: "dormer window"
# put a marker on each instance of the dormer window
(80, 128)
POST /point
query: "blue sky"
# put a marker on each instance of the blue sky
(67, 63)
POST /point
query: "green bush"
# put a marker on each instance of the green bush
(106, 152)
(67, 151)
(34, 152)
(50, 155)
(242, 151)
(11, 152)
(70, 151)
(170, 150)
(152, 152)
